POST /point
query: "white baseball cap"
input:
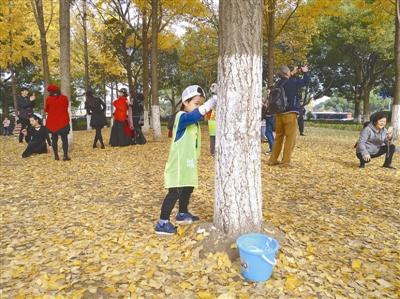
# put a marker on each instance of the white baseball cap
(191, 91)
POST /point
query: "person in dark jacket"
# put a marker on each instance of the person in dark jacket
(269, 127)
(286, 122)
(374, 142)
(57, 121)
(300, 118)
(121, 133)
(96, 108)
(135, 113)
(25, 106)
(38, 135)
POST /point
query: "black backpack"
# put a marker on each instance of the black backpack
(277, 101)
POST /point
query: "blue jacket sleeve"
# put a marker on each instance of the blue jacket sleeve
(304, 81)
(185, 120)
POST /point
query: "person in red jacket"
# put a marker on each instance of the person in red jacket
(121, 133)
(57, 121)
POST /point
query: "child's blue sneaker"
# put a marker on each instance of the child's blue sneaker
(165, 228)
(186, 218)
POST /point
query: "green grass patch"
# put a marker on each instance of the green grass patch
(338, 125)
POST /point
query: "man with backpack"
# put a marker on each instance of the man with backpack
(283, 102)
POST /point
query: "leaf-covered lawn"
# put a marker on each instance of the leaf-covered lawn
(85, 228)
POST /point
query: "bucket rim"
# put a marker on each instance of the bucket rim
(275, 249)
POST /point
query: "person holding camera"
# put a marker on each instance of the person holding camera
(375, 141)
(286, 122)
(25, 106)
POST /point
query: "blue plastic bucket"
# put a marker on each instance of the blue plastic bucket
(257, 256)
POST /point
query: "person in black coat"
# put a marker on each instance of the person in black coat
(25, 110)
(136, 111)
(300, 118)
(38, 136)
(96, 108)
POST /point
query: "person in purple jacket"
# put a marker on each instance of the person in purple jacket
(375, 141)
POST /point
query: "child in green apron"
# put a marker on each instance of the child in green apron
(180, 175)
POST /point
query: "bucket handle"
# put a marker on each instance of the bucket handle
(268, 260)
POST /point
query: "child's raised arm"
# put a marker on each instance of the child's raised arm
(197, 114)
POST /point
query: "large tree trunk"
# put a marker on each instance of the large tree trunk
(155, 108)
(86, 56)
(146, 125)
(396, 95)
(271, 6)
(238, 202)
(65, 55)
(37, 6)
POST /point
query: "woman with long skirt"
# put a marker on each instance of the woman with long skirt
(121, 133)
(57, 121)
(96, 108)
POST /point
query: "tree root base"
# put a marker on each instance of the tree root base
(213, 240)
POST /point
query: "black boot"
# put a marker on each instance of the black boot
(66, 158)
(388, 166)
(56, 157)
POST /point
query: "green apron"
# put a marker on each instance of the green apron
(181, 167)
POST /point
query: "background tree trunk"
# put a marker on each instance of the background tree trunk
(65, 55)
(366, 93)
(271, 41)
(14, 91)
(238, 146)
(86, 56)
(145, 49)
(357, 109)
(155, 108)
(396, 95)
(357, 97)
(37, 7)
(129, 73)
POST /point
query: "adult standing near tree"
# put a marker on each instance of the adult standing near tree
(300, 118)
(25, 110)
(57, 121)
(286, 122)
(136, 116)
(96, 108)
(121, 133)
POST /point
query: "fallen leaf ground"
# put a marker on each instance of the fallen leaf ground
(85, 228)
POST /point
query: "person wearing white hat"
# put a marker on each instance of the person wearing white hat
(180, 175)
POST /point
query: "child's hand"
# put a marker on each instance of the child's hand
(32, 98)
(214, 88)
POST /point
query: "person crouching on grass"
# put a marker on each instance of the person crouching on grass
(180, 175)
(374, 142)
